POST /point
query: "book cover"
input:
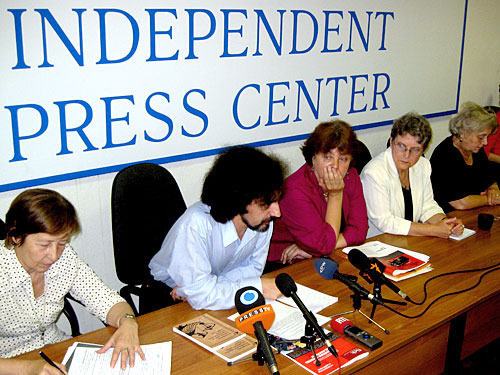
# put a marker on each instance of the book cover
(396, 259)
(347, 351)
(418, 271)
(399, 262)
(217, 337)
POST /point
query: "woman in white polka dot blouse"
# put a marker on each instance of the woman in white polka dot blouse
(38, 267)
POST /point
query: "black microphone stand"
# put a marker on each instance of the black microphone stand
(356, 305)
(309, 339)
(356, 302)
(377, 293)
(258, 357)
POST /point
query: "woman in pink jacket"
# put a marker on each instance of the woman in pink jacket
(323, 207)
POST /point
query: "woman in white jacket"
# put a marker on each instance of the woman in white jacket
(397, 185)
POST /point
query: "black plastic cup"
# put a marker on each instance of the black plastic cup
(485, 221)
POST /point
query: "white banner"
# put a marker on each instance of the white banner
(88, 87)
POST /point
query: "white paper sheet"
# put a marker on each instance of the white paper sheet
(467, 233)
(375, 249)
(289, 322)
(314, 300)
(85, 361)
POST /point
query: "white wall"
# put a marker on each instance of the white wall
(91, 196)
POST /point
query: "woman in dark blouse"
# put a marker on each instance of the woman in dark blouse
(462, 177)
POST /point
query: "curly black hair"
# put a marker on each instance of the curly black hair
(239, 176)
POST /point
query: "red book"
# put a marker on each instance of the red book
(347, 351)
(399, 262)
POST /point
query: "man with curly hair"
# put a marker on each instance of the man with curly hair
(220, 244)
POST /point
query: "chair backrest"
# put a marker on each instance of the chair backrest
(362, 156)
(492, 108)
(3, 230)
(145, 203)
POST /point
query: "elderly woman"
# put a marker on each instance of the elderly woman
(462, 177)
(323, 207)
(38, 267)
(397, 185)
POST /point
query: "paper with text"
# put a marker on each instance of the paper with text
(314, 300)
(85, 361)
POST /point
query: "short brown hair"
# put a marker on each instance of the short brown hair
(327, 136)
(39, 211)
(414, 124)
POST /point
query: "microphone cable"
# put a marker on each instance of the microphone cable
(448, 274)
(445, 295)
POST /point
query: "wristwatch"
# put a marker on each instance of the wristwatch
(130, 316)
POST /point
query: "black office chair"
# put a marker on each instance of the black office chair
(3, 230)
(492, 108)
(70, 314)
(361, 156)
(68, 310)
(145, 203)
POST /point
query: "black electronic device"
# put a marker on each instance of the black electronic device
(343, 325)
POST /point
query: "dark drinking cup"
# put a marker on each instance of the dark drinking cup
(485, 221)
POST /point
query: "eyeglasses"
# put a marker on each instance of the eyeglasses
(402, 148)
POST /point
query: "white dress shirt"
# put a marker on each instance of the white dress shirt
(21, 315)
(384, 195)
(208, 261)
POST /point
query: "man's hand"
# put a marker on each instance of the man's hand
(175, 296)
(269, 288)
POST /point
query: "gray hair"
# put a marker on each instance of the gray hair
(414, 124)
(472, 118)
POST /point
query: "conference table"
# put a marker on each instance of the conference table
(453, 328)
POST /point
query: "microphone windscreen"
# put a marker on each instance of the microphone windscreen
(339, 324)
(326, 267)
(359, 260)
(285, 284)
(248, 298)
(377, 263)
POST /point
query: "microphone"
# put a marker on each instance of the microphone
(255, 318)
(344, 325)
(374, 269)
(328, 269)
(287, 286)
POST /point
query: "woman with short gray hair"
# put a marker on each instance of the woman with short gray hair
(461, 175)
(397, 185)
